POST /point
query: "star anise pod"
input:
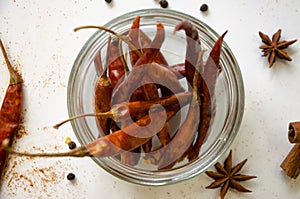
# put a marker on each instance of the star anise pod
(275, 48)
(227, 177)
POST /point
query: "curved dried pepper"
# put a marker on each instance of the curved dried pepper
(185, 135)
(178, 69)
(150, 53)
(125, 110)
(125, 139)
(102, 97)
(193, 48)
(159, 59)
(115, 68)
(134, 36)
(132, 157)
(206, 82)
(210, 74)
(150, 90)
(10, 113)
(145, 43)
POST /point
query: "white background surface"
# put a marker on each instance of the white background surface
(40, 42)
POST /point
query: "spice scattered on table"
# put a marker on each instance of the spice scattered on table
(72, 145)
(227, 177)
(274, 48)
(204, 7)
(163, 3)
(71, 176)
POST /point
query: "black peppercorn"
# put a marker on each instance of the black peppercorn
(72, 145)
(204, 7)
(71, 176)
(163, 3)
(108, 1)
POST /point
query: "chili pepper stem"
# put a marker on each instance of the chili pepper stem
(81, 151)
(104, 73)
(108, 114)
(15, 78)
(124, 62)
(122, 37)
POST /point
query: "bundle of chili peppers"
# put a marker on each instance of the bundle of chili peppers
(133, 106)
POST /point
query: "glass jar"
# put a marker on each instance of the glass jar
(229, 95)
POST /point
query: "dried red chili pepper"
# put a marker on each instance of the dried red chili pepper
(178, 69)
(206, 86)
(193, 48)
(102, 97)
(212, 66)
(134, 36)
(160, 59)
(114, 143)
(149, 54)
(115, 67)
(184, 137)
(129, 157)
(122, 111)
(10, 113)
(145, 43)
(115, 73)
(210, 74)
(132, 157)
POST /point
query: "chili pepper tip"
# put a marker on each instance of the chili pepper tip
(15, 77)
